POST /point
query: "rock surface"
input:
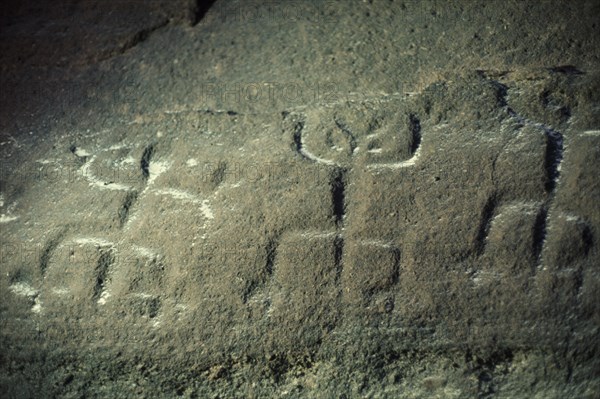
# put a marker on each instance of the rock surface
(315, 199)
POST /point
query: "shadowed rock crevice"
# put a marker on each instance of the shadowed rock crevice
(485, 221)
(249, 290)
(297, 137)
(395, 276)
(588, 239)
(49, 248)
(338, 195)
(219, 174)
(570, 70)
(105, 261)
(145, 161)
(554, 156)
(271, 252)
(125, 209)
(539, 232)
(501, 93)
(415, 131)
(349, 136)
(198, 9)
(138, 38)
(488, 369)
(338, 252)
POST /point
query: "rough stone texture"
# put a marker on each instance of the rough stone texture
(407, 208)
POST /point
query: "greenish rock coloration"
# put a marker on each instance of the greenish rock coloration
(370, 199)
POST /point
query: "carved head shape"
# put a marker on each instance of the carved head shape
(372, 133)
